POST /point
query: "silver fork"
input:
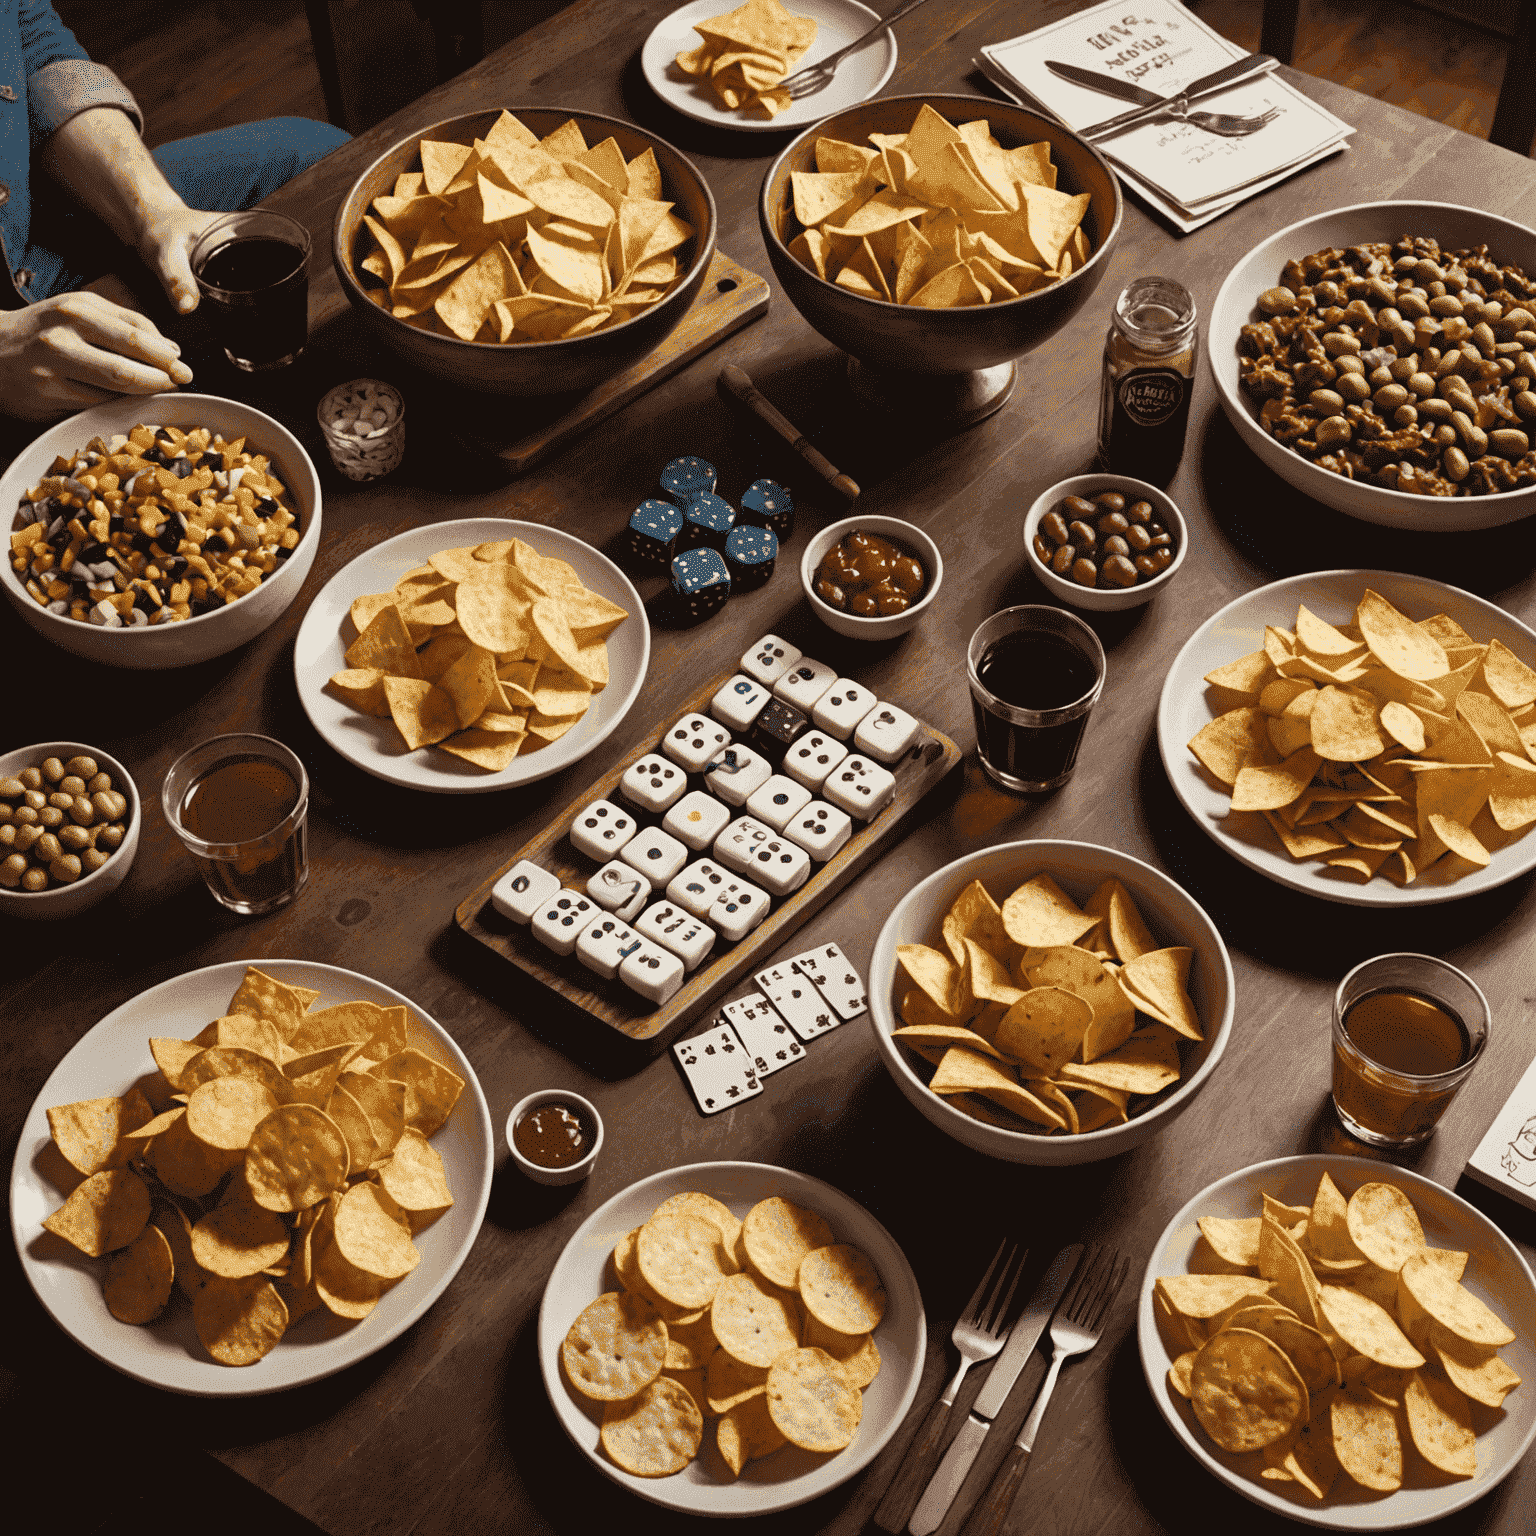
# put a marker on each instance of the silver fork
(1227, 124)
(1074, 1331)
(978, 1336)
(817, 77)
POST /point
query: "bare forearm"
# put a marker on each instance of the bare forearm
(99, 157)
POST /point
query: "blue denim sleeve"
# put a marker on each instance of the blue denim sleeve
(61, 80)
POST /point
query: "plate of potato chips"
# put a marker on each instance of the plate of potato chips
(472, 656)
(731, 1339)
(1364, 736)
(1342, 1342)
(312, 1196)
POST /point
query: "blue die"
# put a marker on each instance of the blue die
(749, 556)
(653, 529)
(700, 581)
(687, 477)
(769, 505)
(707, 519)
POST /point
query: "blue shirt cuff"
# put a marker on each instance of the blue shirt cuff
(67, 87)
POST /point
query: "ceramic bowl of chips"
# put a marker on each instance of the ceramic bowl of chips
(1006, 1033)
(60, 899)
(180, 642)
(933, 348)
(440, 279)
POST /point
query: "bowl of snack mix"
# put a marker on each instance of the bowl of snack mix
(1381, 358)
(69, 828)
(451, 265)
(159, 531)
(1050, 1002)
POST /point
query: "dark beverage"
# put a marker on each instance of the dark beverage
(241, 806)
(1408, 1032)
(1032, 669)
(255, 289)
(553, 1135)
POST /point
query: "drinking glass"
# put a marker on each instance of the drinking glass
(252, 270)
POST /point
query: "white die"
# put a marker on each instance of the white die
(812, 758)
(653, 783)
(780, 866)
(695, 888)
(603, 944)
(770, 659)
(653, 972)
(558, 923)
(804, 683)
(777, 801)
(601, 830)
(734, 847)
(738, 702)
(656, 854)
(694, 741)
(697, 820)
(839, 710)
(859, 787)
(820, 829)
(886, 733)
(736, 772)
(522, 891)
(687, 937)
(738, 907)
(619, 888)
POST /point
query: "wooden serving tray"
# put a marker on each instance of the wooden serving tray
(928, 761)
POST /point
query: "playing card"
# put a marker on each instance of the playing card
(769, 1040)
(804, 1009)
(835, 979)
(718, 1068)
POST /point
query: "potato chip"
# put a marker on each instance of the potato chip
(1440, 1424)
(239, 1321)
(383, 1103)
(751, 1325)
(1474, 1368)
(747, 1432)
(1040, 913)
(655, 1432)
(1383, 1225)
(139, 1278)
(1234, 1240)
(1245, 1391)
(1367, 1328)
(223, 1112)
(238, 1237)
(1281, 1260)
(1045, 1029)
(91, 1133)
(296, 1156)
(343, 1288)
(1367, 1442)
(1204, 1296)
(1147, 1063)
(372, 1233)
(810, 1401)
(615, 1347)
(413, 1177)
(105, 1212)
(185, 1165)
(1450, 1304)
(683, 1258)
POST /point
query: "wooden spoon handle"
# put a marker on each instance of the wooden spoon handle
(735, 382)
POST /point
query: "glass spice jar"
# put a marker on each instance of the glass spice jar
(1149, 370)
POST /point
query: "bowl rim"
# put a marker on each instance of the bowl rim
(936, 100)
(705, 240)
(1107, 1136)
(1070, 590)
(1236, 404)
(823, 540)
(18, 592)
(136, 802)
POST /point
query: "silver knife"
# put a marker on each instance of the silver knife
(1149, 103)
(945, 1483)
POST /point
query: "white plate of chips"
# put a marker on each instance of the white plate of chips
(838, 23)
(1186, 707)
(375, 745)
(1496, 1274)
(789, 1476)
(115, 1055)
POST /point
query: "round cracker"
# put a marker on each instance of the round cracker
(342, 1287)
(239, 1321)
(855, 1352)
(656, 1432)
(626, 1264)
(751, 1325)
(238, 1237)
(297, 1156)
(103, 1213)
(223, 1112)
(1245, 1391)
(696, 1204)
(810, 1401)
(1306, 1348)
(1384, 1226)
(777, 1235)
(414, 1175)
(139, 1278)
(615, 1348)
(373, 1234)
(689, 1345)
(683, 1258)
(842, 1289)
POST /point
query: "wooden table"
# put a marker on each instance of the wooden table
(448, 1429)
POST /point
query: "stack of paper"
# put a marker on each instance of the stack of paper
(1506, 1157)
(1189, 174)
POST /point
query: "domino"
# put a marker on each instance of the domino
(558, 925)
(619, 888)
(859, 787)
(770, 659)
(522, 891)
(694, 889)
(739, 703)
(604, 944)
(840, 709)
(812, 757)
(820, 829)
(777, 801)
(738, 907)
(780, 866)
(656, 854)
(736, 772)
(653, 784)
(734, 847)
(653, 972)
(693, 742)
(669, 926)
(804, 683)
(601, 830)
(696, 820)
(886, 733)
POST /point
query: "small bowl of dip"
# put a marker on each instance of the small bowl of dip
(883, 549)
(554, 1136)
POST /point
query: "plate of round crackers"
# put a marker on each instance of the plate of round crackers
(472, 656)
(1352, 1332)
(248, 1323)
(789, 1355)
(1364, 736)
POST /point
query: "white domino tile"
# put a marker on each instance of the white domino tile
(886, 733)
(735, 772)
(559, 921)
(694, 889)
(696, 820)
(770, 659)
(653, 784)
(804, 683)
(860, 787)
(522, 891)
(620, 888)
(734, 846)
(688, 937)
(738, 907)
(820, 829)
(693, 741)
(737, 704)
(602, 829)
(840, 709)
(812, 757)
(604, 943)
(656, 854)
(779, 866)
(655, 973)
(777, 801)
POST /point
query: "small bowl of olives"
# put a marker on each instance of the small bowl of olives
(870, 577)
(1105, 542)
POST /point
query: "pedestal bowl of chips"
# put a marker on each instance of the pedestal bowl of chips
(935, 239)
(1050, 1002)
(529, 253)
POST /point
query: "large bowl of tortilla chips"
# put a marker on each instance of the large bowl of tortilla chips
(551, 352)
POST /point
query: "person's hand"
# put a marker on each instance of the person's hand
(166, 243)
(80, 349)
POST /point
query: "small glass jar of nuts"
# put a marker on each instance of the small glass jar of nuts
(60, 821)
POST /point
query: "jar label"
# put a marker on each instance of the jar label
(1152, 396)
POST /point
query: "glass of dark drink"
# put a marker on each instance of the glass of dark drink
(1407, 1032)
(252, 270)
(1035, 673)
(239, 803)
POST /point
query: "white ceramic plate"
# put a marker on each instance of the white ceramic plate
(375, 745)
(1238, 629)
(790, 1476)
(838, 22)
(114, 1055)
(1496, 1273)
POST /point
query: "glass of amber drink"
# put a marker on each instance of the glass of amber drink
(1407, 1032)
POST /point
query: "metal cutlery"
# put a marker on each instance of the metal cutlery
(1150, 105)
(817, 77)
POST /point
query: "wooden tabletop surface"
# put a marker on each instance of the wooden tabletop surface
(448, 1429)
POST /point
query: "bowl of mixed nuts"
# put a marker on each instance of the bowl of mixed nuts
(1381, 358)
(69, 828)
